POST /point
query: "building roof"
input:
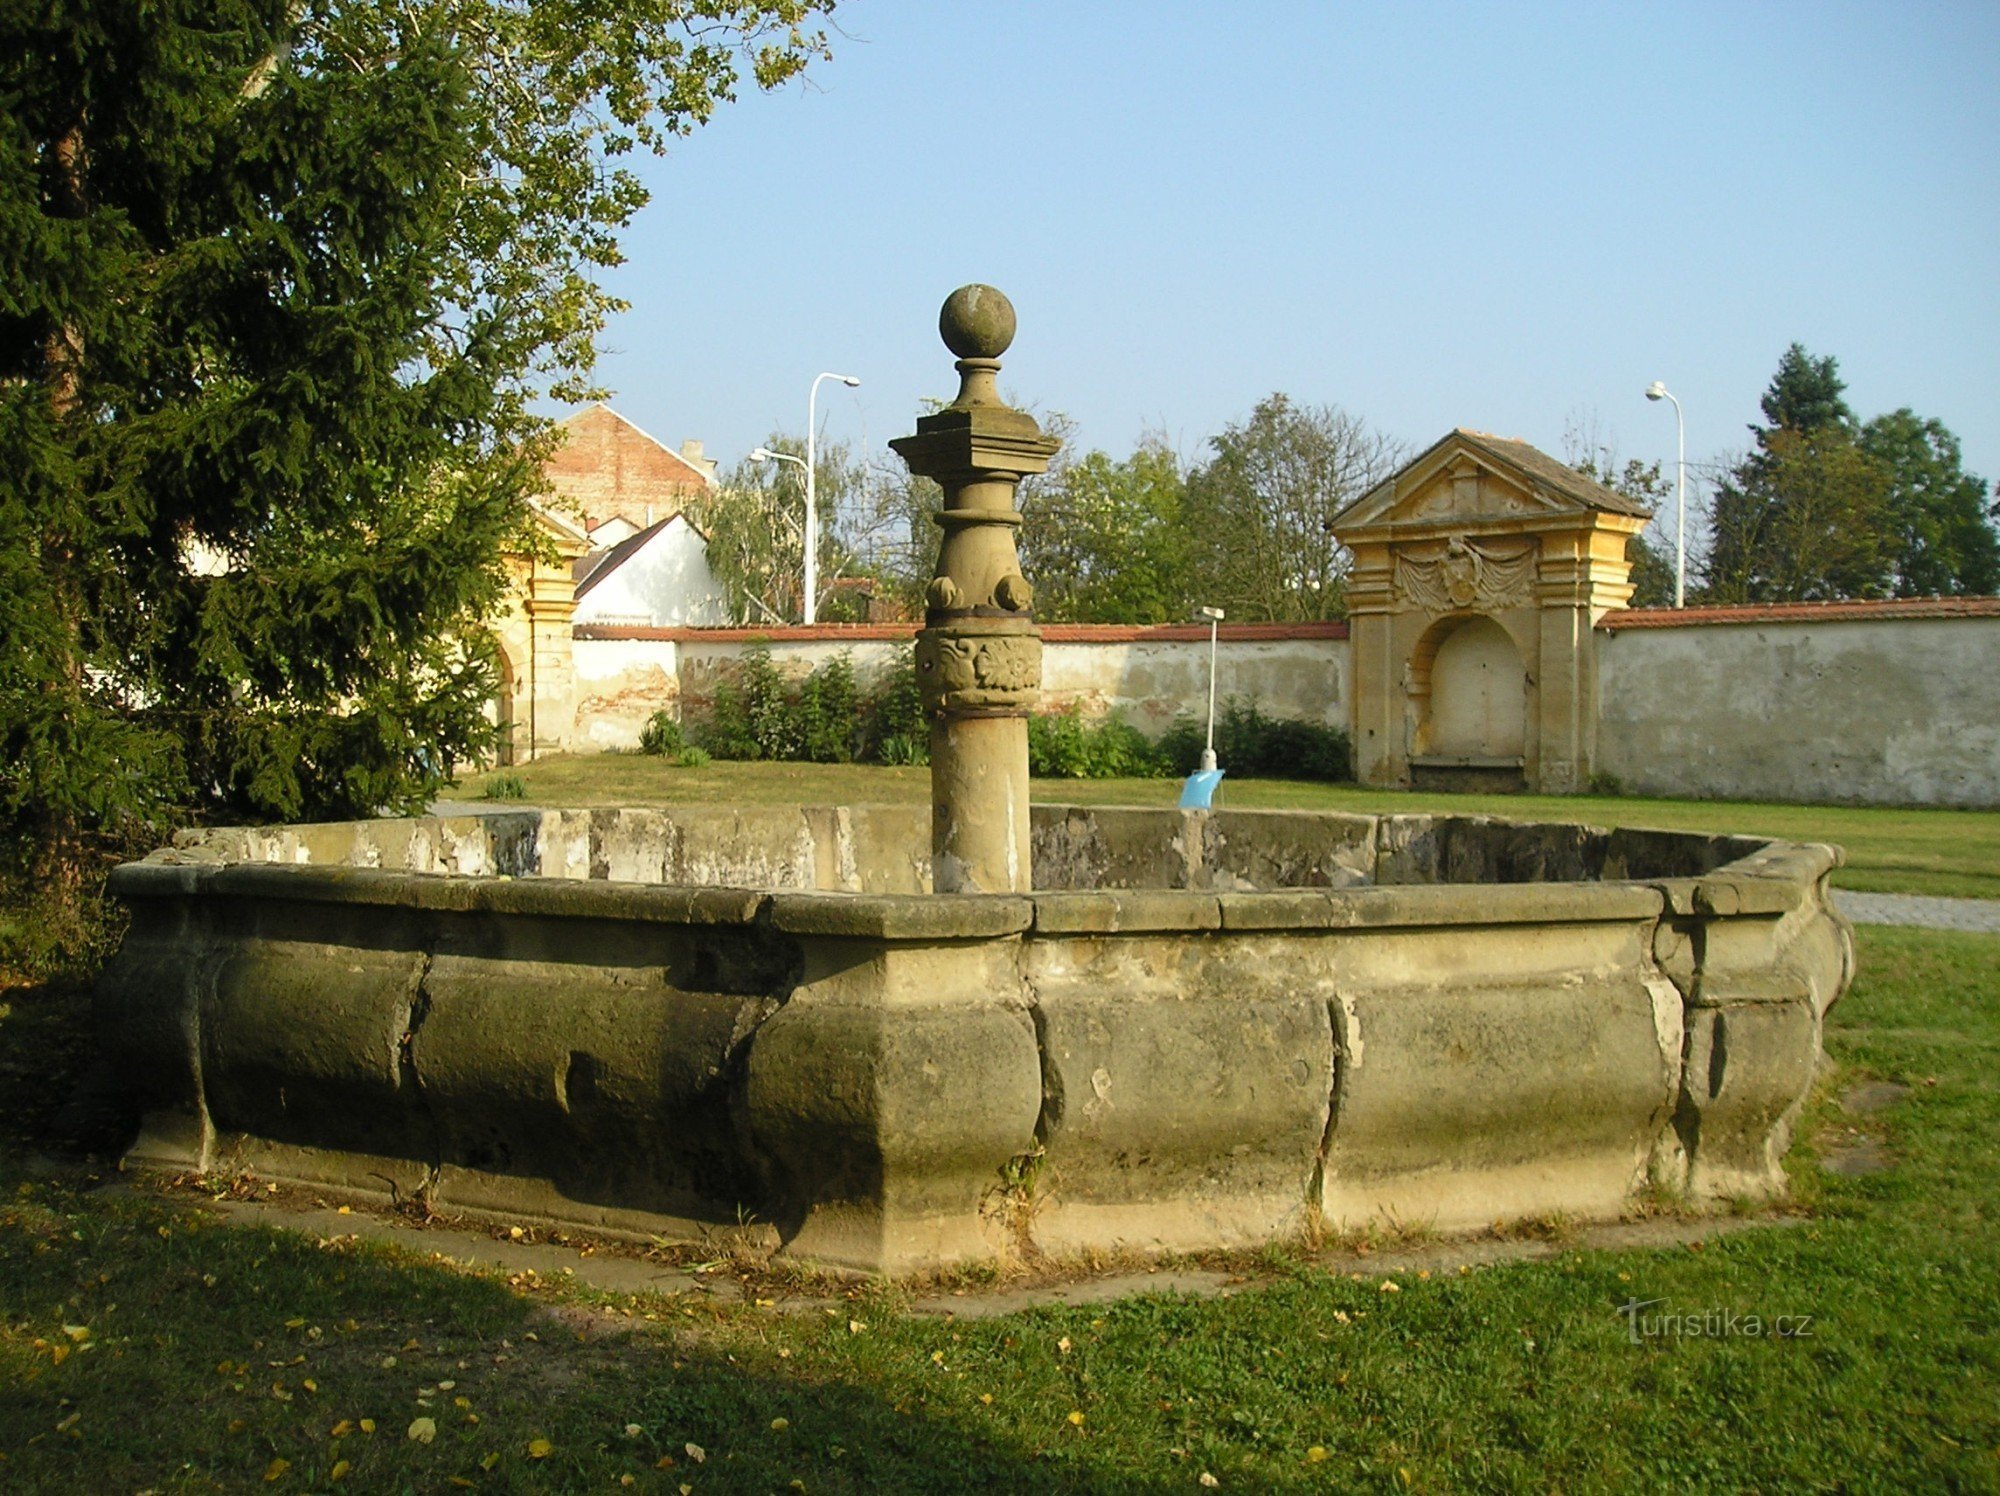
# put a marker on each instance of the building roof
(1854, 611)
(1535, 463)
(1531, 466)
(591, 569)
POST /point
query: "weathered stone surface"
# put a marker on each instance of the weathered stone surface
(1499, 1075)
(1105, 847)
(888, 1081)
(901, 916)
(1748, 1069)
(1249, 849)
(1129, 910)
(887, 1098)
(1185, 1093)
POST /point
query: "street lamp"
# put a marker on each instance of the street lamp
(1657, 390)
(1214, 617)
(812, 504)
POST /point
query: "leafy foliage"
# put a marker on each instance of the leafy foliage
(756, 713)
(1260, 511)
(1940, 523)
(279, 285)
(1063, 745)
(1251, 745)
(755, 523)
(1107, 542)
(662, 736)
(1827, 507)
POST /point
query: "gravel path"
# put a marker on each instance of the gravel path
(1914, 909)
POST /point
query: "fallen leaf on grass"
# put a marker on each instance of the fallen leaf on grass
(340, 1469)
(696, 1453)
(1076, 1419)
(779, 1425)
(490, 1461)
(341, 1430)
(1316, 1455)
(423, 1430)
(367, 1425)
(276, 1469)
(540, 1449)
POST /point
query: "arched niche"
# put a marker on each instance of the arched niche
(1478, 695)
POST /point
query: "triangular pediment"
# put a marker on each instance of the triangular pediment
(1469, 479)
(561, 530)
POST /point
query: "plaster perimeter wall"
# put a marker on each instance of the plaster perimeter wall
(1863, 703)
(1152, 675)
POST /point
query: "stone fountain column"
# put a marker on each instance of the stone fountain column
(979, 654)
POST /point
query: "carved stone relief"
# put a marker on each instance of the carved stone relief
(1466, 575)
(958, 670)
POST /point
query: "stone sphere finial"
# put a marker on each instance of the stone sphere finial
(977, 322)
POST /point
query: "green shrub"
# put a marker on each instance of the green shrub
(692, 757)
(771, 717)
(894, 729)
(829, 725)
(507, 786)
(1251, 745)
(662, 735)
(904, 748)
(1062, 745)
(757, 714)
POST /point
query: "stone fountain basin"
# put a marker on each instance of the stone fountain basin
(1211, 1030)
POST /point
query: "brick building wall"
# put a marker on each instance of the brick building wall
(608, 468)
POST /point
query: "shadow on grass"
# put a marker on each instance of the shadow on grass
(146, 1345)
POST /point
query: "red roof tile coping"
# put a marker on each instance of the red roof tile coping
(1052, 633)
(1837, 612)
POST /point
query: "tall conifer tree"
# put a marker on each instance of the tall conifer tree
(279, 283)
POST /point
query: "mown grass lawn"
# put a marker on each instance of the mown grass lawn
(1945, 852)
(143, 1347)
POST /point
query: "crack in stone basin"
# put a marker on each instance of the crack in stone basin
(1203, 1030)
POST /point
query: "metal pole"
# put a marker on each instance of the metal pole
(1214, 617)
(1211, 688)
(1680, 510)
(1658, 390)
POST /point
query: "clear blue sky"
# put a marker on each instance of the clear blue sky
(1498, 216)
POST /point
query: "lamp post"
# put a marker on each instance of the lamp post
(812, 496)
(765, 454)
(1658, 390)
(1214, 617)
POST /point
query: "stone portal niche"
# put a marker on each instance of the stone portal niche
(1479, 571)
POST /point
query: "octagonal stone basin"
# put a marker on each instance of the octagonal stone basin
(1208, 1030)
